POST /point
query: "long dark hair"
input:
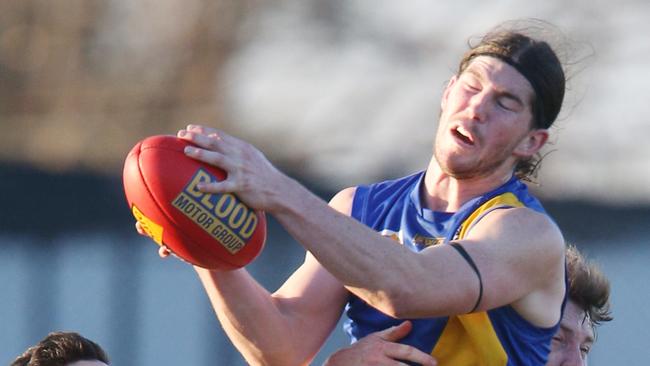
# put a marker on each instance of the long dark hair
(536, 60)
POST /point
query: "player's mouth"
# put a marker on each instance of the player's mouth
(463, 135)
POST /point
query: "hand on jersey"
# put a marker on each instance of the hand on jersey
(381, 348)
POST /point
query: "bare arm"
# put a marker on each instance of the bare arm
(284, 328)
(517, 267)
(287, 327)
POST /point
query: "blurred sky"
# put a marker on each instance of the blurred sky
(343, 92)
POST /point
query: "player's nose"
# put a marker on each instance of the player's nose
(476, 107)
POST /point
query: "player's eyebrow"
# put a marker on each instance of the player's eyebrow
(566, 329)
(500, 91)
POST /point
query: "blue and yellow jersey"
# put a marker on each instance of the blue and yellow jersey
(497, 337)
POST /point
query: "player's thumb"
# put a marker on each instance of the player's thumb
(397, 332)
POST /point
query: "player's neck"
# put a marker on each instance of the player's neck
(443, 192)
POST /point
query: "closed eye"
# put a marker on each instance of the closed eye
(472, 87)
(470, 81)
(509, 103)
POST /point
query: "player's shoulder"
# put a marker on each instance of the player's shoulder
(344, 195)
(342, 201)
(537, 228)
(522, 215)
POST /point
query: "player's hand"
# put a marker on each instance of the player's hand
(163, 251)
(381, 348)
(249, 174)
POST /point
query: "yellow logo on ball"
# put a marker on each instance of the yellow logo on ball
(223, 216)
(152, 229)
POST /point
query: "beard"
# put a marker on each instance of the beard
(462, 167)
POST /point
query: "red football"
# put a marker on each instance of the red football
(215, 231)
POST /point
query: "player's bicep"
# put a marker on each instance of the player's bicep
(513, 253)
(516, 252)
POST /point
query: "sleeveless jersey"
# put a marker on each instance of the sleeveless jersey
(497, 337)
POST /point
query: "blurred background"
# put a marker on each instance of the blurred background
(336, 93)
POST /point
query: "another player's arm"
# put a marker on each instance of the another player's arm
(381, 348)
(519, 253)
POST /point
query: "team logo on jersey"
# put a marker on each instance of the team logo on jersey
(420, 240)
(426, 241)
(396, 236)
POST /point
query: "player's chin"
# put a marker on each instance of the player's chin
(458, 167)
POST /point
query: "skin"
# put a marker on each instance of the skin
(573, 341)
(381, 349)
(484, 129)
(569, 347)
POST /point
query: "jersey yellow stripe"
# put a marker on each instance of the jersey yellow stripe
(503, 200)
(470, 339)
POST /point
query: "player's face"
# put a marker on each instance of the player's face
(486, 116)
(573, 340)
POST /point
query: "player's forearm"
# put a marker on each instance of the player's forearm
(250, 317)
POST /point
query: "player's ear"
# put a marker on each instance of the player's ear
(531, 143)
(445, 94)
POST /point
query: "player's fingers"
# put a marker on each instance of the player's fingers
(394, 334)
(216, 159)
(164, 252)
(405, 352)
(210, 142)
(210, 157)
(139, 229)
(210, 139)
(224, 186)
(201, 129)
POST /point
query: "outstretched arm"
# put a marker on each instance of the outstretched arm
(517, 268)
